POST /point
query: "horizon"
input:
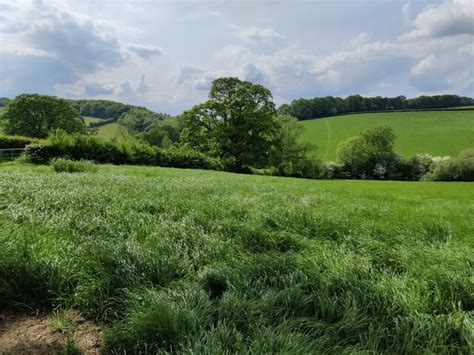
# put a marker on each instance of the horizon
(164, 55)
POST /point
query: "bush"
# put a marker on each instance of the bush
(186, 158)
(82, 147)
(41, 153)
(309, 168)
(71, 166)
(12, 142)
(460, 168)
(332, 170)
(419, 165)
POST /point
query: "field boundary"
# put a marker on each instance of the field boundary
(390, 111)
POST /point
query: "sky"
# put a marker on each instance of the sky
(165, 54)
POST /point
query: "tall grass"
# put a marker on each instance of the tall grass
(194, 261)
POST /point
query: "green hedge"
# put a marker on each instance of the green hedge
(81, 147)
(11, 142)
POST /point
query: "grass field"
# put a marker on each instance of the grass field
(439, 133)
(113, 130)
(89, 120)
(198, 261)
(109, 131)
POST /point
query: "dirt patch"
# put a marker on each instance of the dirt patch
(66, 332)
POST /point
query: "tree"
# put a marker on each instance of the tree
(163, 134)
(36, 115)
(370, 154)
(139, 119)
(236, 124)
(291, 156)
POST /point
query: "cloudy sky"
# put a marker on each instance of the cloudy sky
(164, 54)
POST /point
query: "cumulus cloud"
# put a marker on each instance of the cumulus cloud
(98, 90)
(98, 49)
(46, 45)
(145, 51)
(450, 18)
(255, 34)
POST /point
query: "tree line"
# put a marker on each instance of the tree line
(305, 109)
(237, 129)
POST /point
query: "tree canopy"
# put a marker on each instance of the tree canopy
(305, 109)
(36, 115)
(236, 124)
(371, 154)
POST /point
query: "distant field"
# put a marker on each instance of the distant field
(192, 261)
(438, 133)
(110, 130)
(113, 130)
(89, 120)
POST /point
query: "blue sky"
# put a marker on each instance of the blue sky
(165, 54)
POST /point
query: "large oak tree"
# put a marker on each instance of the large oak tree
(236, 124)
(36, 115)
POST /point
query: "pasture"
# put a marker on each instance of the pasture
(438, 133)
(199, 261)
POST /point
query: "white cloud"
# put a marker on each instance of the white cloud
(298, 49)
(450, 18)
(255, 34)
(145, 51)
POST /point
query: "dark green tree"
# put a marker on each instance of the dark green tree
(36, 115)
(236, 124)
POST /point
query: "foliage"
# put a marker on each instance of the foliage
(73, 166)
(305, 109)
(138, 119)
(4, 101)
(100, 108)
(291, 156)
(236, 124)
(11, 142)
(460, 168)
(164, 133)
(82, 147)
(371, 154)
(36, 115)
(189, 261)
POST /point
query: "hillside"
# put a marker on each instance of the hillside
(187, 260)
(439, 133)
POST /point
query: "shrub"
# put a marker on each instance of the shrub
(71, 166)
(11, 142)
(82, 147)
(309, 168)
(332, 170)
(186, 158)
(419, 165)
(460, 168)
(371, 154)
(41, 153)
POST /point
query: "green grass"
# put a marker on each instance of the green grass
(109, 131)
(89, 120)
(113, 130)
(439, 133)
(209, 262)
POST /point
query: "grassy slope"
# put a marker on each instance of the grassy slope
(438, 133)
(89, 120)
(206, 261)
(109, 131)
(113, 130)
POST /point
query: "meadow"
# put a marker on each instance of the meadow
(438, 133)
(199, 261)
(113, 131)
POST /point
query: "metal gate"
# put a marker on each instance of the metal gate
(10, 154)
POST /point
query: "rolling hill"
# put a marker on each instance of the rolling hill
(438, 133)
